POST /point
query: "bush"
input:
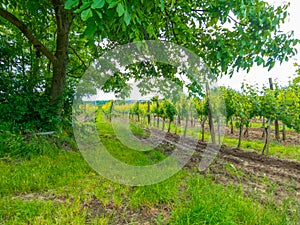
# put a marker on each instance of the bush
(19, 146)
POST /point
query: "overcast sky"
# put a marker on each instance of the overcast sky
(280, 73)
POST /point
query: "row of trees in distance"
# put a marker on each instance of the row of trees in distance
(237, 108)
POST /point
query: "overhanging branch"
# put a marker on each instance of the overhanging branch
(24, 29)
(78, 56)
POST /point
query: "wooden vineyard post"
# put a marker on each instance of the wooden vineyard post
(148, 114)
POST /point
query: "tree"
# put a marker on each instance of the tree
(53, 26)
(229, 95)
(183, 107)
(202, 113)
(169, 111)
(269, 109)
(135, 110)
(243, 104)
(289, 106)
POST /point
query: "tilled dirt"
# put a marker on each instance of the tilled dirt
(265, 177)
(292, 137)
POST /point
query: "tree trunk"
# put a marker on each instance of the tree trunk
(211, 126)
(231, 126)
(63, 22)
(169, 128)
(268, 130)
(163, 125)
(277, 135)
(111, 110)
(148, 114)
(240, 135)
(267, 140)
(246, 133)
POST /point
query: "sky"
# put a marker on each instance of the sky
(280, 73)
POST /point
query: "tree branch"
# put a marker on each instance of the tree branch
(24, 29)
(172, 26)
(205, 10)
(235, 21)
(78, 56)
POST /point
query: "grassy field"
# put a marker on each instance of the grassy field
(59, 187)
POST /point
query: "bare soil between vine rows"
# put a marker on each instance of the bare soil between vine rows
(264, 177)
(255, 134)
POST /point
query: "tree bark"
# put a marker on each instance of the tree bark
(246, 133)
(231, 126)
(267, 140)
(63, 23)
(240, 135)
(148, 114)
(169, 127)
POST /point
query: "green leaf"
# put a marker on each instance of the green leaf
(71, 4)
(127, 18)
(98, 4)
(99, 14)
(120, 9)
(90, 30)
(86, 14)
(162, 2)
(296, 80)
(83, 7)
(112, 3)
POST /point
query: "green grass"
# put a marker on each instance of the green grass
(120, 150)
(259, 125)
(213, 204)
(61, 188)
(193, 198)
